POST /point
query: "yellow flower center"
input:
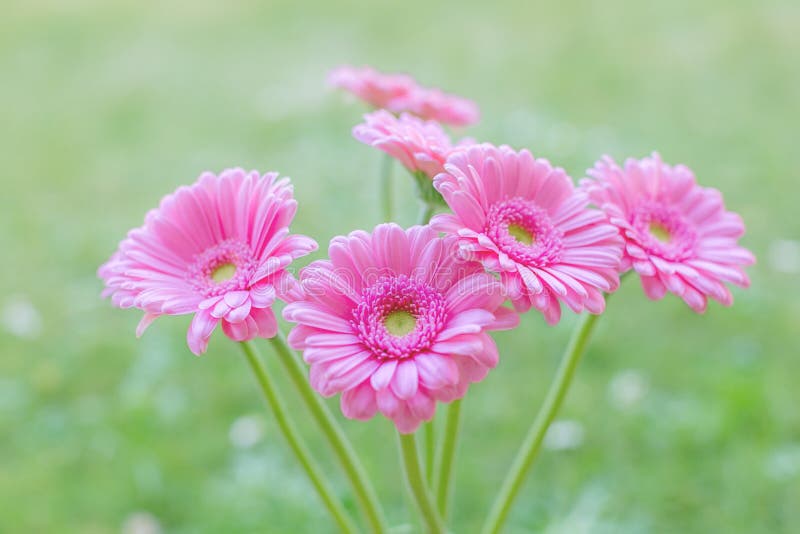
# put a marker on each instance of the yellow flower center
(521, 234)
(224, 272)
(399, 323)
(660, 232)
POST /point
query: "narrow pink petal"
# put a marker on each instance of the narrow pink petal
(405, 421)
(238, 314)
(265, 321)
(200, 330)
(421, 406)
(465, 345)
(147, 320)
(382, 377)
(388, 403)
(504, 319)
(653, 287)
(406, 379)
(359, 402)
(436, 371)
(355, 375)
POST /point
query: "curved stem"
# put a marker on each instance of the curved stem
(295, 441)
(386, 187)
(430, 451)
(341, 445)
(447, 456)
(430, 429)
(533, 441)
(416, 483)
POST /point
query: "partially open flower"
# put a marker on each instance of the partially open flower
(421, 146)
(678, 236)
(525, 220)
(396, 321)
(401, 93)
(373, 87)
(217, 249)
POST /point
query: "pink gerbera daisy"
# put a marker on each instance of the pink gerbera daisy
(371, 86)
(678, 236)
(396, 321)
(421, 146)
(217, 249)
(524, 219)
(401, 93)
(434, 104)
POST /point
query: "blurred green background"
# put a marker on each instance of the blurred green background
(675, 423)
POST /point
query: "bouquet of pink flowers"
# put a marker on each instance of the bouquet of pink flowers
(397, 320)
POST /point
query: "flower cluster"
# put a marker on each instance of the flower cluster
(398, 319)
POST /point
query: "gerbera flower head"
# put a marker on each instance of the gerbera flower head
(435, 104)
(678, 235)
(395, 320)
(524, 219)
(421, 146)
(373, 87)
(217, 249)
(401, 93)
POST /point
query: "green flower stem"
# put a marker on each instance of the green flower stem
(533, 441)
(387, 197)
(333, 432)
(430, 451)
(426, 213)
(416, 483)
(447, 456)
(295, 441)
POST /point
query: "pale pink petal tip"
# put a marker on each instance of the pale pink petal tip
(217, 249)
(397, 321)
(523, 219)
(678, 236)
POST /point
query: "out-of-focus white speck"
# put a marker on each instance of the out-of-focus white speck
(246, 431)
(141, 523)
(627, 389)
(783, 463)
(564, 435)
(784, 256)
(20, 318)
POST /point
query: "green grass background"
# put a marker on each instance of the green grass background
(107, 106)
